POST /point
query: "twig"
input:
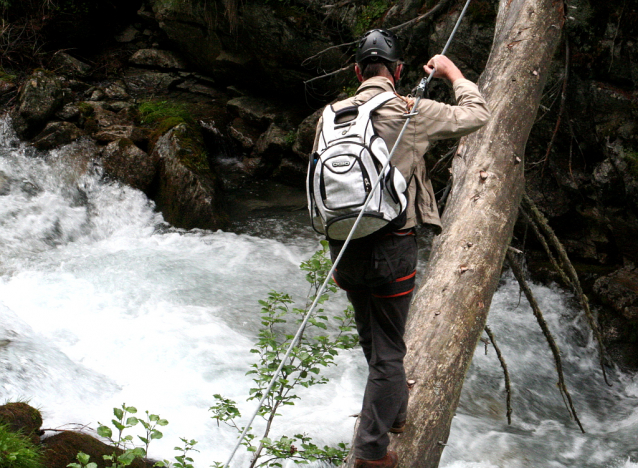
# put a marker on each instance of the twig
(508, 388)
(347, 67)
(518, 274)
(540, 220)
(439, 6)
(561, 109)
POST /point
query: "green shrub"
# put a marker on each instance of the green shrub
(16, 451)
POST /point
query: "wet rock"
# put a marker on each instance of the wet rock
(188, 194)
(244, 135)
(62, 449)
(253, 110)
(57, 134)
(291, 172)
(67, 65)
(124, 161)
(158, 59)
(305, 138)
(138, 135)
(22, 418)
(40, 97)
(5, 184)
(271, 147)
(619, 290)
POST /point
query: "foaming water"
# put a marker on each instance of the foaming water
(103, 303)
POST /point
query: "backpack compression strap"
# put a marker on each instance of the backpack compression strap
(331, 129)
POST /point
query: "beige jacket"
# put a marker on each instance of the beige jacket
(434, 121)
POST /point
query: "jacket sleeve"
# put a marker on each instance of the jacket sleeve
(446, 121)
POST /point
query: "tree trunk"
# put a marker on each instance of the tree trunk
(451, 306)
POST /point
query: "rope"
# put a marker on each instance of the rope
(420, 92)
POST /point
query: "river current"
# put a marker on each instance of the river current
(103, 303)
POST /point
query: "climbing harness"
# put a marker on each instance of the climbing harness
(420, 92)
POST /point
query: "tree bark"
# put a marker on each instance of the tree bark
(451, 306)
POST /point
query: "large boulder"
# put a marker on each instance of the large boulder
(42, 94)
(124, 161)
(188, 193)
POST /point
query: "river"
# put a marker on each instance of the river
(103, 303)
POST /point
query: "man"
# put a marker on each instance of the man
(378, 271)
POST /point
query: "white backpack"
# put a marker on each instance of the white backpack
(344, 170)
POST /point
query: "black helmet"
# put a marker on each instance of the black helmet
(379, 44)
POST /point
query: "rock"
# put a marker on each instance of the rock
(305, 139)
(291, 172)
(67, 65)
(22, 418)
(185, 26)
(620, 291)
(127, 35)
(117, 106)
(6, 86)
(117, 91)
(157, 59)
(63, 447)
(145, 81)
(253, 110)
(97, 95)
(69, 112)
(244, 135)
(124, 161)
(5, 184)
(188, 194)
(40, 97)
(57, 134)
(138, 135)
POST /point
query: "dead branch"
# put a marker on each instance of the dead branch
(347, 67)
(435, 9)
(548, 251)
(508, 388)
(548, 232)
(520, 277)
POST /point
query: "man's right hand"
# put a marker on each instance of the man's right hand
(443, 68)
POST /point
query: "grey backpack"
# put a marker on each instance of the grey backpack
(345, 168)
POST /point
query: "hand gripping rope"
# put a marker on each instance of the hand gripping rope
(419, 94)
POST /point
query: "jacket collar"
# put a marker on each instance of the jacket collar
(380, 82)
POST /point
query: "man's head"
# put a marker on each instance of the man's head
(378, 54)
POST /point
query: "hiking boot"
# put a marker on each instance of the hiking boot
(390, 460)
(397, 427)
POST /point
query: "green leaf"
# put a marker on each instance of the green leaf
(132, 421)
(104, 431)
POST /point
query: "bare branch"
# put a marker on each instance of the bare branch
(348, 67)
(508, 388)
(520, 277)
(548, 232)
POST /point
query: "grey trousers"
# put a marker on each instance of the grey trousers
(378, 276)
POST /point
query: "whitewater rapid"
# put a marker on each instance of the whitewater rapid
(103, 303)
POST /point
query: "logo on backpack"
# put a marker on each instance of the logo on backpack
(347, 165)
